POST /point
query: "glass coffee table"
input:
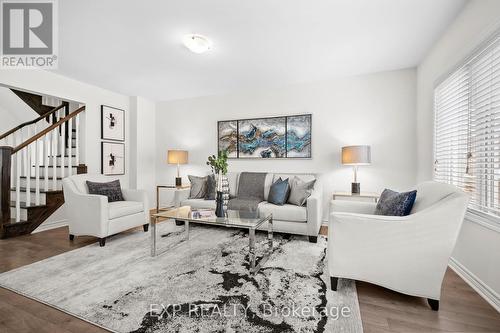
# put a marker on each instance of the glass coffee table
(233, 219)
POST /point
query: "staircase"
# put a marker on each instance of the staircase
(34, 158)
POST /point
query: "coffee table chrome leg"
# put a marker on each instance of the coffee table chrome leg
(270, 234)
(251, 233)
(186, 228)
(152, 228)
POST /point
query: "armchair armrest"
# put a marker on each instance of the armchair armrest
(87, 214)
(315, 211)
(181, 195)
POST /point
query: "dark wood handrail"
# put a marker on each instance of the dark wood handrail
(47, 130)
(18, 127)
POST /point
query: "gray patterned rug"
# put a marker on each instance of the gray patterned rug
(202, 285)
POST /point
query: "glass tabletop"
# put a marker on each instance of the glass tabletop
(236, 218)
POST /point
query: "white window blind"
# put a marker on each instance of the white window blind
(467, 128)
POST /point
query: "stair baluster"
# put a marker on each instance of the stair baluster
(54, 163)
(63, 144)
(77, 140)
(46, 154)
(70, 144)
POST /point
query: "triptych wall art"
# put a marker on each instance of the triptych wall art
(274, 137)
(112, 129)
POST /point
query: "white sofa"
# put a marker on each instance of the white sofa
(92, 215)
(407, 254)
(287, 218)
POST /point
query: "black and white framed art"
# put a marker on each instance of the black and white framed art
(112, 123)
(112, 158)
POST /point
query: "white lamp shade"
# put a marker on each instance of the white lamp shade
(177, 157)
(356, 155)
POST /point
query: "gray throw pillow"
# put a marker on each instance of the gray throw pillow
(279, 192)
(211, 187)
(112, 190)
(198, 187)
(393, 203)
(300, 191)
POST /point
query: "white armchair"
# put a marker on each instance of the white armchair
(407, 254)
(92, 215)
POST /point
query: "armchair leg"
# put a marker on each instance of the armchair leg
(145, 227)
(313, 239)
(71, 237)
(102, 241)
(333, 282)
(433, 303)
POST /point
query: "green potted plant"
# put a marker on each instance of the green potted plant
(218, 164)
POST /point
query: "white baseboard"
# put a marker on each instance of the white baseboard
(477, 284)
(50, 225)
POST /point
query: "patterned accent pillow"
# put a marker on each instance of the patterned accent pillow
(393, 203)
(279, 192)
(300, 191)
(112, 190)
(198, 187)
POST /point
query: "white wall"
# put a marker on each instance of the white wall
(143, 146)
(376, 109)
(13, 110)
(477, 250)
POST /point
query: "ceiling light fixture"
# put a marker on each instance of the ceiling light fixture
(197, 43)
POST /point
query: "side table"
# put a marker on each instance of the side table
(171, 187)
(363, 196)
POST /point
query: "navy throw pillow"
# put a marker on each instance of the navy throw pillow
(279, 192)
(393, 203)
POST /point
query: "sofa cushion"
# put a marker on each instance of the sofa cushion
(124, 208)
(198, 187)
(199, 203)
(303, 177)
(283, 213)
(279, 192)
(300, 191)
(211, 187)
(233, 178)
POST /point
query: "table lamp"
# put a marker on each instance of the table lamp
(177, 157)
(356, 156)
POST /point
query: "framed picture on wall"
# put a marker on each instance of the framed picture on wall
(266, 138)
(112, 123)
(112, 158)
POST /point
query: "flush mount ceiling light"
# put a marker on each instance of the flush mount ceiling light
(197, 43)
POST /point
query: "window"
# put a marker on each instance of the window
(467, 128)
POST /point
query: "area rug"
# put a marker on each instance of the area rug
(202, 285)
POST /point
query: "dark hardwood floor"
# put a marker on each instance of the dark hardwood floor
(382, 310)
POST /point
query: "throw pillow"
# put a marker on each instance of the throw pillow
(393, 203)
(279, 192)
(112, 190)
(300, 191)
(198, 187)
(211, 187)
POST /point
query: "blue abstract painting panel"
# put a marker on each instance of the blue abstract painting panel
(262, 138)
(228, 137)
(298, 138)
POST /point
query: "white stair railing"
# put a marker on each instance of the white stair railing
(41, 143)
